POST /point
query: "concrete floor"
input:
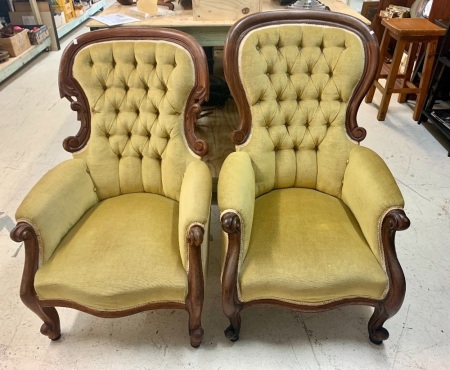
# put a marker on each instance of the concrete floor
(33, 123)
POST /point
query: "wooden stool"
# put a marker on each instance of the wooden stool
(412, 32)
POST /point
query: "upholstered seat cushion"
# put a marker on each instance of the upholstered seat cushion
(122, 253)
(306, 246)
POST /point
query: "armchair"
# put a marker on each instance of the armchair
(120, 228)
(308, 216)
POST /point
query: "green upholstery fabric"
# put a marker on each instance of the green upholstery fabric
(122, 253)
(307, 247)
(195, 204)
(137, 92)
(298, 80)
(370, 191)
(56, 203)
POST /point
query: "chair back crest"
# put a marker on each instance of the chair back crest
(138, 93)
(298, 78)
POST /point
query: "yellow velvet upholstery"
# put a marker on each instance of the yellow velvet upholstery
(113, 224)
(56, 203)
(310, 248)
(236, 192)
(137, 92)
(297, 79)
(309, 199)
(370, 190)
(195, 209)
(118, 256)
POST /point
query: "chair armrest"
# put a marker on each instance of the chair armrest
(56, 203)
(195, 205)
(236, 193)
(370, 191)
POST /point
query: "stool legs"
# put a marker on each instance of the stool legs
(404, 37)
(390, 81)
(425, 78)
(383, 49)
(412, 53)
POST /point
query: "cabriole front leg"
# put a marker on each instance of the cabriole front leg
(395, 220)
(194, 300)
(24, 232)
(230, 302)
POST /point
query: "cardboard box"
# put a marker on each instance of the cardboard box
(60, 19)
(27, 18)
(20, 6)
(230, 10)
(66, 7)
(39, 36)
(16, 44)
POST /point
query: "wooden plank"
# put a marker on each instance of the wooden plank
(185, 18)
(219, 10)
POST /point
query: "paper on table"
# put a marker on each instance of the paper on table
(114, 19)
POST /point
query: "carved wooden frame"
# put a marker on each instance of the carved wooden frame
(45, 309)
(70, 89)
(395, 220)
(239, 31)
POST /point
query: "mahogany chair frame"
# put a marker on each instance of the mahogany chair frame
(71, 90)
(394, 220)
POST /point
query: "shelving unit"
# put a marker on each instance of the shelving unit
(51, 43)
(437, 84)
(15, 63)
(96, 7)
(47, 15)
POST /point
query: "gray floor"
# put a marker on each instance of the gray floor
(33, 123)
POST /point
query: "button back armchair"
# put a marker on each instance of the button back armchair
(120, 228)
(309, 216)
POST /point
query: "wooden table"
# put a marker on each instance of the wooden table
(207, 33)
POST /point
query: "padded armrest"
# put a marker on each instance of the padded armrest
(370, 191)
(195, 205)
(56, 203)
(236, 193)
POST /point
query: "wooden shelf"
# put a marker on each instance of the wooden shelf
(13, 64)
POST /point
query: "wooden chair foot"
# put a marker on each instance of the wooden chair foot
(231, 334)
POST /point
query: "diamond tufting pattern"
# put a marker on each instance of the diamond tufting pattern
(298, 80)
(137, 94)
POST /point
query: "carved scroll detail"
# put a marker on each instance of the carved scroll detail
(231, 223)
(238, 137)
(358, 133)
(75, 143)
(193, 111)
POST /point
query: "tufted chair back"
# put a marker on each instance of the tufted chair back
(296, 80)
(137, 93)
